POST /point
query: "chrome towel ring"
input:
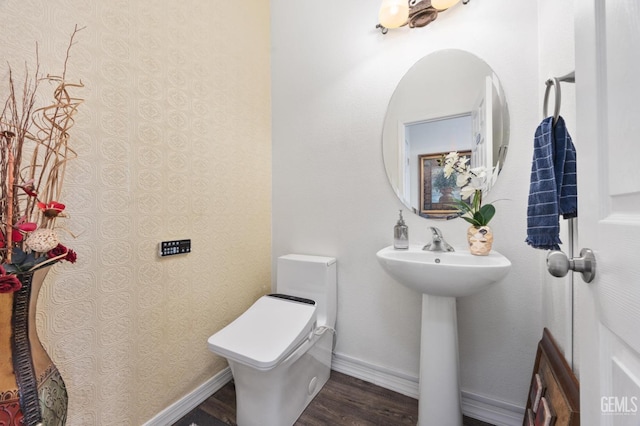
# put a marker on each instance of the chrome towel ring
(555, 82)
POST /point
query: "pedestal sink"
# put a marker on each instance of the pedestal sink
(441, 277)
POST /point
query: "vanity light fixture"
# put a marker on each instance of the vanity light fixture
(415, 13)
(443, 4)
(393, 13)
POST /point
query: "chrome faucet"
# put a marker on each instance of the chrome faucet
(437, 242)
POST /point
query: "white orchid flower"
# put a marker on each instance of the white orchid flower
(467, 192)
(477, 183)
(448, 169)
(478, 178)
(480, 171)
(452, 156)
(494, 175)
(454, 163)
(463, 179)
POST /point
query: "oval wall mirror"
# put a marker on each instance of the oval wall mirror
(450, 100)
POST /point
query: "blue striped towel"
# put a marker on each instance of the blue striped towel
(553, 189)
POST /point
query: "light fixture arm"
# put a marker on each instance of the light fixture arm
(383, 29)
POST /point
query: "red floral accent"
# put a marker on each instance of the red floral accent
(59, 250)
(17, 233)
(51, 209)
(8, 283)
(26, 226)
(71, 256)
(16, 237)
(29, 188)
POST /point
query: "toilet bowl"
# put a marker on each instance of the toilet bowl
(279, 350)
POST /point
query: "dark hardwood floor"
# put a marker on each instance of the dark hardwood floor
(344, 400)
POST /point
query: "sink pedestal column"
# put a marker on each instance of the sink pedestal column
(439, 402)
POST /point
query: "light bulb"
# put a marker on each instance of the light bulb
(443, 4)
(393, 13)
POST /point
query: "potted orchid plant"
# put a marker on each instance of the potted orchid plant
(474, 182)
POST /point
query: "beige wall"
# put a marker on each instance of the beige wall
(173, 142)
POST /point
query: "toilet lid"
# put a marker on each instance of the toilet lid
(267, 332)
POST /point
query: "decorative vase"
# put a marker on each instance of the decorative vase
(32, 391)
(480, 240)
(447, 195)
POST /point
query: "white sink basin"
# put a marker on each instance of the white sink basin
(448, 274)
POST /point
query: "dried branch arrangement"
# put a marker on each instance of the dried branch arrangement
(34, 152)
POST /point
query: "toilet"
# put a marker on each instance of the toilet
(279, 350)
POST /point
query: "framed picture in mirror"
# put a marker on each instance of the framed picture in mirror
(437, 192)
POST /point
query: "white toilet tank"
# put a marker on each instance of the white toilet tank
(310, 277)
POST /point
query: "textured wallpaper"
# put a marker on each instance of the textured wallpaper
(173, 142)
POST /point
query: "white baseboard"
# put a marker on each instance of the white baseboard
(491, 410)
(183, 406)
(479, 407)
(381, 376)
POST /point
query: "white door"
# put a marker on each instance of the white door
(482, 127)
(406, 170)
(608, 145)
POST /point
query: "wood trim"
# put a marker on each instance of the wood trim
(566, 379)
(560, 386)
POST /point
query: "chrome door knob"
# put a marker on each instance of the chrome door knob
(559, 264)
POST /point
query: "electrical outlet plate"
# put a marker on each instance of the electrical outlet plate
(173, 247)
